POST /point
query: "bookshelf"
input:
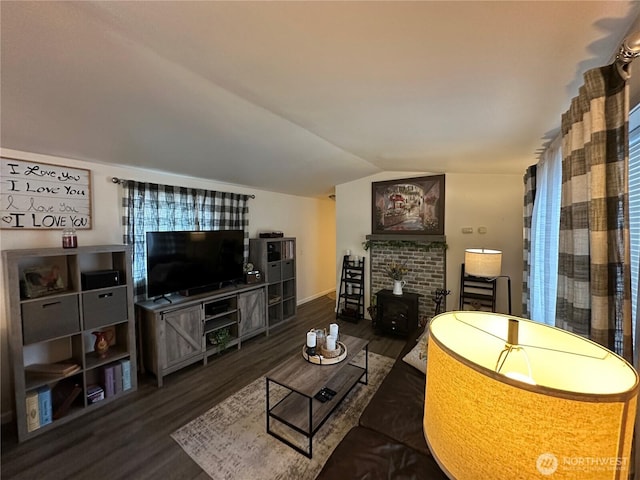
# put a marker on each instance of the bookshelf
(351, 292)
(51, 319)
(276, 259)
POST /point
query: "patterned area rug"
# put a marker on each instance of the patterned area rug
(230, 440)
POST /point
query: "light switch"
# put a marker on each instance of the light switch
(467, 229)
(482, 229)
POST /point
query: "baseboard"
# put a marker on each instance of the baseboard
(317, 295)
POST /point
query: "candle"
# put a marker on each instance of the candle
(311, 339)
(333, 330)
(320, 338)
(331, 342)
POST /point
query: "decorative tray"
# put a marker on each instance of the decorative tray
(322, 360)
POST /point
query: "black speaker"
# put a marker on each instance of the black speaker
(100, 279)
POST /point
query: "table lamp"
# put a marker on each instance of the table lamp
(511, 398)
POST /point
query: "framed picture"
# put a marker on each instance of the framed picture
(409, 206)
(44, 196)
(41, 281)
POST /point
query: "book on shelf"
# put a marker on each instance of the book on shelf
(117, 377)
(126, 374)
(95, 393)
(55, 369)
(33, 413)
(44, 405)
(108, 381)
(63, 395)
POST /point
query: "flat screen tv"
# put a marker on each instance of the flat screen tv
(193, 261)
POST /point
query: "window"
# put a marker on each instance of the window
(151, 207)
(634, 208)
(545, 231)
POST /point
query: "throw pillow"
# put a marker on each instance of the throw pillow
(417, 357)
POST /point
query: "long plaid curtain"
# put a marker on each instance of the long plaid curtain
(529, 198)
(150, 207)
(594, 264)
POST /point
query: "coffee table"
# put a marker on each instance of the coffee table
(299, 410)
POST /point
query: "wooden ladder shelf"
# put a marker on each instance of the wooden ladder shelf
(351, 292)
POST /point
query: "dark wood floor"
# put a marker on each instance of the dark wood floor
(129, 439)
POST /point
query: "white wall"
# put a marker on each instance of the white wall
(310, 220)
(471, 200)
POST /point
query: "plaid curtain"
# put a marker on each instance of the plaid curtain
(529, 198)
(594, 264)
(149, 207)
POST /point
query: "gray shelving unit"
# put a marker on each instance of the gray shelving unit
(276, 260)
(55, 324)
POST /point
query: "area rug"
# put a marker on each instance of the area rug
(230, 440)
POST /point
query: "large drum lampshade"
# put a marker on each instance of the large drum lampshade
(511, 398)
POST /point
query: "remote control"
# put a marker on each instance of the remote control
(319, 396)
(329, 391)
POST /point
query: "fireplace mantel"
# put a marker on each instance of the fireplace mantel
(389, 237)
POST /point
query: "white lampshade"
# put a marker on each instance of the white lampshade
(572, 417)
(481, 262)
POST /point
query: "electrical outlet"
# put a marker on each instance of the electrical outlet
(482, 229)
(467, 229)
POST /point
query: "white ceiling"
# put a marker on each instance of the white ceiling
(296, 97)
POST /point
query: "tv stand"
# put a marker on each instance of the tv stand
(193, 328)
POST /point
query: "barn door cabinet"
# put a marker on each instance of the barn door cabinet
(192, 329)
(180, 333)
(252, 311)
(53, 306)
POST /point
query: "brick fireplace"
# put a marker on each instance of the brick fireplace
(425, 258)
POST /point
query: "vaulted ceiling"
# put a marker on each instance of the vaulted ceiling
(296, 97)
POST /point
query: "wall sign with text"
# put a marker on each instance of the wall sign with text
(36, 195)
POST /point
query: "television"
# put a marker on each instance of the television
(191, 262)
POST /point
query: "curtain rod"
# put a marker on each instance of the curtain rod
(629, 49)
(124, 180)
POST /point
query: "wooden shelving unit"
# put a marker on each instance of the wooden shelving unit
(276, 259)
(220, 315)
(51, 319)
(351, 292)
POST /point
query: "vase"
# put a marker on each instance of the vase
(397, 286)
(103, 339)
